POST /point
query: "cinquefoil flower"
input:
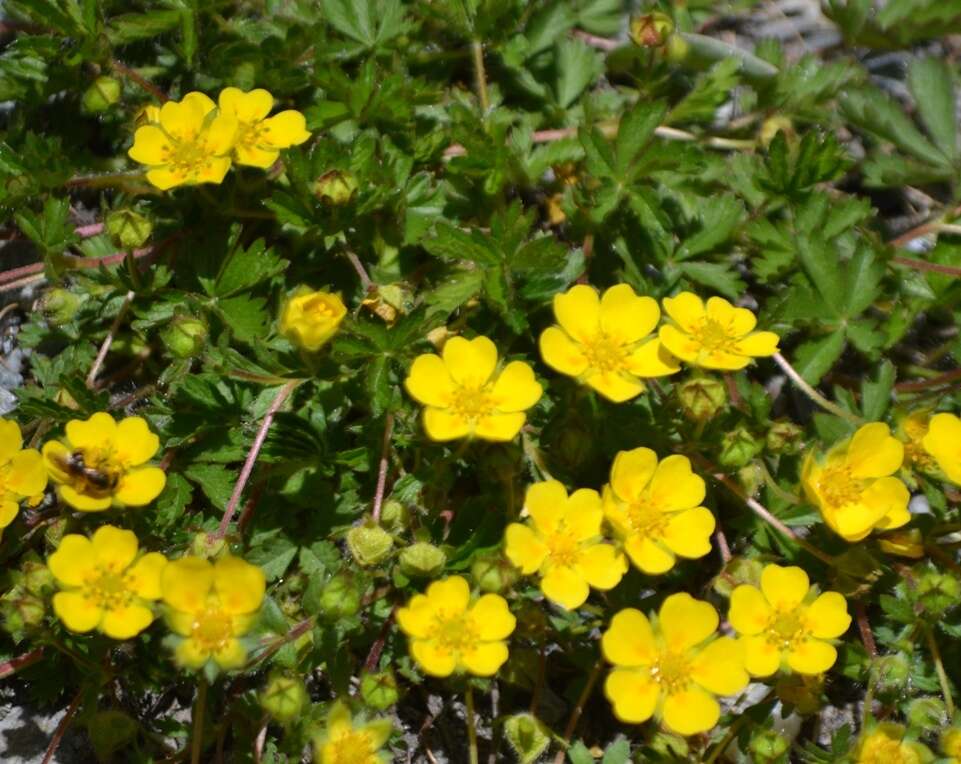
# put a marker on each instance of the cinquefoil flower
(104, 585)
(853, 484)
(22, 474)
(260, 138)
(943, 442)
(606, 342)
(103, 463)
(310, 318)
(655, 509)
(672, 668)
(562, 542)
(345, 741)
(885, 744)
(785, 623)
(713, 336)
(464, 394)
(449, 633)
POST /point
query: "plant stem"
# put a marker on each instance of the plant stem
(12, 666)
(480, 75)
(108, 341)
(939, 668)
(811, 393)
(864, 627)
(197, 736)
(578, 710)
(382, 467)
(471, 726)
(62, 728)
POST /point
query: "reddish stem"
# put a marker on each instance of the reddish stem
(62, 729)
(382, 467)
(12, 666)
(924, 265)
(945, 379)
(864, 626)
(130, 74)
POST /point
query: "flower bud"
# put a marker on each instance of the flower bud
(437, 337)
(801, 691)
(101, 95)
(938, 592)
(21, 610)
(702, 398)
(651, 30)
(891, 672)
(59, 306)
(670, 746)
(740, 570)
(128, 229)
(340, 597)
(774, 125)
(109, 731)
(335, 187)
(283, 698)
(310, 318)
(751, 478)
(492, 572)
(784, 438)
(768, 746)
(927, 713)
(185, 337)
(903, 543)
(422, 560)
(676, 49)
(394, 516)
(207, 546)
(37, 578)
(527, 736)
(379, 690)
(738, 447)
(369, 543)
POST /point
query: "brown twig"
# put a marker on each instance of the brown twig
(62, 728)
(944, 379)
(108, 340)
(722, 545)
(578, 710)
(365, 281)
(601, 43)
(130, 74)
(383, 466)
(864, 627)
(22, 283)
(12, 666)
(929, 226)
(924, 265)
(378, 647)
(86, 231)
(298, 630)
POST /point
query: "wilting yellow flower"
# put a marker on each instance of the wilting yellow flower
(103, 463)
(785, 623)
(259, 139)
(211, 606)
(853, 484)
(344, 741)
(606, 342)
(188, 144)
(562, 542)
(464, 394)
(655, 509)
(713, 336)
(943, 442)
(448, 633)
(22, 473)
(911, 431)
(672, 668)
(904, 543)
(309, 318)
(103, 584)
(885, 744)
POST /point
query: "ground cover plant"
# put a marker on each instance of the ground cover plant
(466, 380)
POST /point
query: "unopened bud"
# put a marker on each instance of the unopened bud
(740, 570)
(891, 672)
(335, 187)
(784, 438)
(801, 691)
(394, 516)
(340, 597)
(676, 49)
(207, 545)
(437, 337)
(651, 30)
(101, 95)
(493, 572)
(768, 746)
(702, 398)
(938, 592)
(738, 447)
(128, 229)
(379, 690)
(422, 560)
(59, 306)
(369, 543)
(283, 698)
(528, 736)
(927, 713)
(37, 578)
(185, 337)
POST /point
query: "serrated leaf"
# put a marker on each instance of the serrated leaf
(172, 501)
(716, 276)
(247, 268)
(635, 132)
(813, 359)
(451, 243)
(131, 27)
(930, 82)
(247, 316)
(876, 113)
(719, 217)
(876, 393)
(215, 480)
(578, 65)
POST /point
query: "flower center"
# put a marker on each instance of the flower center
(646, 519)
(605, 354)
(249, 134)
(471, 403)
(886, 751)
(455, 633)
(786, 628)
(350, 748)
(93, 471)
(185, 157)
(839, 487)
(562, 548)
(672, 671)
(212, 629)
(713, 335)
(318, 308)
(109, 589)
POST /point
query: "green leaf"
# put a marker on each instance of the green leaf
(710, 91)
(618, 752)
(245, 268)
(719, 217)
(933, 90)
(635, 132)
(247, 316)
(131, 27)
(215, 480)
(273, 551)
(876, 394)
(455, 290)
(820, 263)
(579, 754)
(450, 243)
(172, 501)
(578, 65)
(876, 113)
(718, 277)
(815, 358)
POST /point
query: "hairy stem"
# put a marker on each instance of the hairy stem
(471, 725)
(811, 393)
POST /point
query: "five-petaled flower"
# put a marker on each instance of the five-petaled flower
(448, 633)
(260, 138)
(22, 473)
(655, 509)
(562, 542)
(190, 143)
(465, 395)
(347, 741)
(713, 336)
(211, 605)
(104, 585)
(103, 463)
(310, 318)
(786, 623)
(943, 442)
(853, 484)
(606, 342)
(671, 668)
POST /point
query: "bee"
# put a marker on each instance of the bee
(97, 479)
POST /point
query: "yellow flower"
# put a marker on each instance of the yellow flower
(211, 605)
(189, 144)
(149, 114)
(785, 623)
(448, 633)
(22, 474)
(309, 318)
(655, 509)
(951, 744)
(853, 484)
(104, 584)
(259, 138)
(713, 336)
(606, 341)
(101, 463)
(671, 668)
(563, 543)
(885, 744)
(912, 430)
(465, 395)
(943, 442)
(346, 742)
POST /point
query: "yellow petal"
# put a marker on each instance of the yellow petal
(649, 556)
(750, 611)
(186, 582)
(470, 362)
(144, 576)
(191, 654)
(232, 655)
(827, 617)
(98, 431)
(76, 612)
(719, 667)
(443, 424)
(944, 434)
(484, 658)
(578, 311)
(251, 156)
(8, 512)
(652, 359)
(630, 640)
(679, 344)
(761, 656)
(136, 444)
(82, 501)
(688, 533)
(614, 386)
(491, 618)
(27, 474)
(674, 486)
(874, 452)
(452, 594)
(565, 586)
(212, 170)
(583, 514)
(602, 566)
(686, 309)
(114, 548)
(546, 502)
(240, 586)
(11, 440)
(246, 107)
(288, 128)
(895, 518)
(140, 486)
(690, 711)
(561, 353)
(417, 619)
(625, 317)
(812, 657)
(151, 146)
(685, 621)
(74, 561)
(736, 321)
(524, 548)
(428, 381)
(219, 136)
(126, 622)
(433, 657)
(632, 472)
(179, 623)
(855, 521)
(719, 359)
(784, 587)
(632, 694)
(516, 389)
(164, 178)
(758, 345)
(499, 428)
(184, 120)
